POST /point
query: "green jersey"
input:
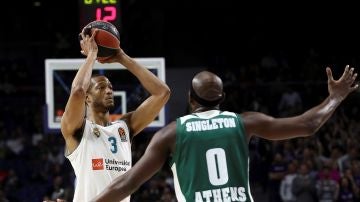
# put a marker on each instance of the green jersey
(210, 162)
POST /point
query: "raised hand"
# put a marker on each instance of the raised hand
(88, 43)
(341, 88)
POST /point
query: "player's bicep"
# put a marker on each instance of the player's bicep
(74, 114)
(271, 128)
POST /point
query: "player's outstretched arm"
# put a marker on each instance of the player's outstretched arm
(156, 154)
(150, 108)
(307, 123)
(73, 116)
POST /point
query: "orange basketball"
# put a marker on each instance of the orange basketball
(107, 38)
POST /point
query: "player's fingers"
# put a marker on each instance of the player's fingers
(82, 45)
(94, 33)
(354, 76)
(351, 72)
(346, 71)
(355, 87)
(83, 36)
(80, 37)
(329, 74)
(350, 76)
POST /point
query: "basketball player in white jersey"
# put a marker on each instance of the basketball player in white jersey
(100, 150)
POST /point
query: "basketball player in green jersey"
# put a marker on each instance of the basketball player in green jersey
(209, 148)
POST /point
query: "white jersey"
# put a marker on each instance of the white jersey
(97, 161)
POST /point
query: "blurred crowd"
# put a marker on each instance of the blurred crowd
(324, 167)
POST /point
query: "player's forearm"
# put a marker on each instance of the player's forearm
(82, 78)
(317, 116)
(150, 82)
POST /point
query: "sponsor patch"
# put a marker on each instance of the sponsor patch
(98, 164)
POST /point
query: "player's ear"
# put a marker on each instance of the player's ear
(222, 97)
(87, 99)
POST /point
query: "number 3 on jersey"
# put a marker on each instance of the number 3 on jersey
(113, 147)
(217, 166)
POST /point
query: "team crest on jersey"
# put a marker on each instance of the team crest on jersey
(122, 134)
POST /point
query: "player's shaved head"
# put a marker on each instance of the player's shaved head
(208, 87)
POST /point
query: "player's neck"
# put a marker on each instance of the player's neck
(203, 109)
(100, 118)
(101, 122)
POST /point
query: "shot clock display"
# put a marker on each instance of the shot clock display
(107, 10)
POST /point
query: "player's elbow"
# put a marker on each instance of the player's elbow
(164, 93)
(311, 127)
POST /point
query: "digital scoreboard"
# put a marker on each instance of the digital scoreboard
(106, 10)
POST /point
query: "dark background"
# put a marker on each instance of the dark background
(190, 33)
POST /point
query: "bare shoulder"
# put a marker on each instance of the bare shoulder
(255, 121)
(249, 117)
